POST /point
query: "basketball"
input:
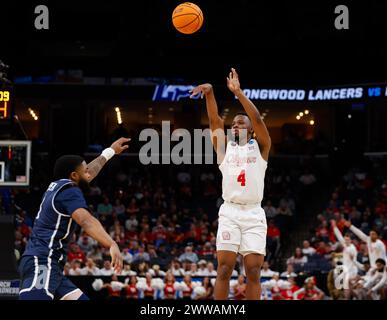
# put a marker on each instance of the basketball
(187, 18)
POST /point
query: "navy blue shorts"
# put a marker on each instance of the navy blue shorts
(41, 280)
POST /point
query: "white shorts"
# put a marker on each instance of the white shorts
(241, 229)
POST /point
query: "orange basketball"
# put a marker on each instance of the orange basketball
(187, 18)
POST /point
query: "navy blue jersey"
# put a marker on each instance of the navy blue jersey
(53, 225)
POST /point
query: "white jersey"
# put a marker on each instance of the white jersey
(349, 253)
(376, 250)
(349, 258)
(243, 170)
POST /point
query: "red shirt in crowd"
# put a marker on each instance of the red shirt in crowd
(76, 256)
(132, 292)
(273, 232)
(169, 291)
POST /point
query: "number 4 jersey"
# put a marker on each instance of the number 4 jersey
(243, 170)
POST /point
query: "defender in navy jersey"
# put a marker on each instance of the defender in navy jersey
(63, 206)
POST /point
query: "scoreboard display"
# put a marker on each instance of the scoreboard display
(5, 104)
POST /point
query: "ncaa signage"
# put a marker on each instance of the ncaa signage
(301, 95)
(172, 92)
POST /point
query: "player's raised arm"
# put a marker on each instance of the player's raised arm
(259, 126)
(337, 233)
(95, 230)
(95, 166)
(361, 235)
(216, 122)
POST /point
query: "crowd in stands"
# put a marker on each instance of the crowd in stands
(166, 228)
(357, 208)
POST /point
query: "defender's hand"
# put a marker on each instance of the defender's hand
(203, 89)
(233, 81)
(115, 253)
(119, 145)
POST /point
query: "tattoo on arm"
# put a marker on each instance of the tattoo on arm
(95, 166)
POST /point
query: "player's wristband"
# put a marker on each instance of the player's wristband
(108, 153)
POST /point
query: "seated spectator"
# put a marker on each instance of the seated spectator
(119, 210)
(270, 211)
(211, 269)
(323, 249)
(131, 291)
(127, 271)
(207, 251)
(176, 268)
(309, 292)
(141, 256)
(287, 293)
(156, 272)
(323, 232)
(189, 255)
(107, 269)
(298, 259)
(76, 253)
(127, 256)
(187, 289)
(289, 273)
(193, 269)
(90, 269)
(95, 254)
(132, 209)
(209, 290)
(169, 287)
(307, 249)
(86, 243)
(202, 271)
(239, 289)
(131, 223)
(75, 269)
(265, 271)
(66, 269)
(114, 288)
(105, 208)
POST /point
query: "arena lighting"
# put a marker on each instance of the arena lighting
(311, 122)
(118, 113)
(33, 114)
(306, 111)
(301, 114)
(298, 117)
(349, 116)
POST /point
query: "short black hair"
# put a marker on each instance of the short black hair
(65, 165)
(380, 261)
(242, 114)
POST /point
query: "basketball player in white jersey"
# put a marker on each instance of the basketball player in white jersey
(349, 259)
(243, 162)
(376, 247)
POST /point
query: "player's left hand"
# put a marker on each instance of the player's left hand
(233, 81)
(119, 145)
(116, 256)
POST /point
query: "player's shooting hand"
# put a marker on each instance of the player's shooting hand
(202, 89)
(115, 253)
(233, 81)
(119, 145)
